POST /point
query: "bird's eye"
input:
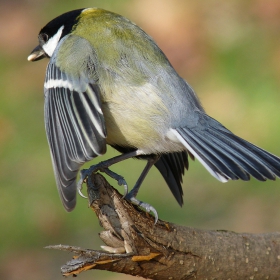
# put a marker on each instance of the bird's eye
(43, 37)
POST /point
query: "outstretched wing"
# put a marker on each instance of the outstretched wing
(75, 127)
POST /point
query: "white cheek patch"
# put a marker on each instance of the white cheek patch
(50, 46)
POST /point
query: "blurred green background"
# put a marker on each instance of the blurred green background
(229, 51)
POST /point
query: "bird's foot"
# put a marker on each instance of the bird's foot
(147, 207)
(102, 167)
(121, 181)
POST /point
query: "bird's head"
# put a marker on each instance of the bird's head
(52, 33)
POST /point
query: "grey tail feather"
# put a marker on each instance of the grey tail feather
(226, 154)
(171, 167)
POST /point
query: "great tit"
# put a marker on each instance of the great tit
(108, 83)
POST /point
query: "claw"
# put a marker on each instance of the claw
(80, 183)
(125, 190)
(148, 208)
(120, 179)
(81, 194)
(122, 182)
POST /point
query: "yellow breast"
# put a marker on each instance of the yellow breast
(132, 117)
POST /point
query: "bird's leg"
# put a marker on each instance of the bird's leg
(131, 196)
(103, 166)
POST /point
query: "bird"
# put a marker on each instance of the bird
(108, 83)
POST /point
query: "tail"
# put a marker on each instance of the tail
(225, 155)
(172, 166)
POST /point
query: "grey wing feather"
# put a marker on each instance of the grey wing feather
(75, 128)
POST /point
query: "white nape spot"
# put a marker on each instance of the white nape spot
(58, 84)
(51, 44)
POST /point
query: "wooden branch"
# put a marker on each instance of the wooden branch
(136, 246)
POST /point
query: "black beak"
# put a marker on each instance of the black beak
(37, 54)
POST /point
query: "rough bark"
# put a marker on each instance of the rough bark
(137, 246)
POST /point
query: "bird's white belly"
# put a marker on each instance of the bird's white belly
(137, 128)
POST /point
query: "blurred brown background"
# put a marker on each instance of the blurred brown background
(229, 51)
